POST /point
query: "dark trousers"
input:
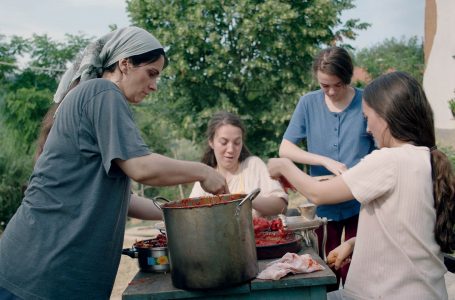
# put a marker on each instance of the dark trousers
(334, 232)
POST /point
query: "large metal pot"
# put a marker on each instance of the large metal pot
(211, 240)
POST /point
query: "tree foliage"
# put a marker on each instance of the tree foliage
(26, 108)
(249, 57)
(25, 96)
(392, 54)
(7, 58)
(27, 93)
(15, 168)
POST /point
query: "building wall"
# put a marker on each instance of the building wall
(439, 76)
(430, 26)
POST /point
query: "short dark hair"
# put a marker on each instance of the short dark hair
(147, 58)
(334, 61)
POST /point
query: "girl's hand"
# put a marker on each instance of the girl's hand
(286, 185)
(276, 166)
(334, 166)
(340, 256)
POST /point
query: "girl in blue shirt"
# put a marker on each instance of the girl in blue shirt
(331, 121)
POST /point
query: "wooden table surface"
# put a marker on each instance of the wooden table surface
(298, 286)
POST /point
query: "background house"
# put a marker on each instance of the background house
(439, 76)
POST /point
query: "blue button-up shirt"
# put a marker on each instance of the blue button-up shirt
(341, 136)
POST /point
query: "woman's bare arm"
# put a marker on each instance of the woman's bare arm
(143, 208)
(329, 191)
(158, 170)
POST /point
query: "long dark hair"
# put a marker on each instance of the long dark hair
(48, 120)
(400, 100)
(334, 61)
(219, 119)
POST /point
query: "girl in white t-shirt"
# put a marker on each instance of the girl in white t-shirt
(407, 195)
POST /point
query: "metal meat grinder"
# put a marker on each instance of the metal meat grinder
(306, 224)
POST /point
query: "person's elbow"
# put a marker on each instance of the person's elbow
(321, 193)
(316, 194)
(288, 149)
(278, 206)
(283, 150)
(146, 175)
(316, 199)
(141, 176)
(283, 206)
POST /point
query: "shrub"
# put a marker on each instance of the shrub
(450, 152)
(15, 168)
(452, 106)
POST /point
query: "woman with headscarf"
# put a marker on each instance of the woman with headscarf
(65, 239)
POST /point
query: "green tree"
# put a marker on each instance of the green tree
(392, 54)
(27, 93)
(7, 59)
(15, 168)
(162, 136)
(249, 57)
(25, 96)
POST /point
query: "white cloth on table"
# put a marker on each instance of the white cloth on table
(290, 263)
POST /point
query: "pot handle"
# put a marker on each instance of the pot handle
(250, 196)
(157, 199)
(131, 252)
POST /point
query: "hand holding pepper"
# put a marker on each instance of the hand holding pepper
(286, 184)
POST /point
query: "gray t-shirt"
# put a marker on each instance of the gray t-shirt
(65, 240)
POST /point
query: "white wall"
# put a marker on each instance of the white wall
(439, 76)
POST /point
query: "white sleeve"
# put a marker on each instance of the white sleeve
(374, 176)
(257, 175)
(197, 191)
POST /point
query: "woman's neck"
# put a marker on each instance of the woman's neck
(343, 102)
(228, 172)
(113, 76)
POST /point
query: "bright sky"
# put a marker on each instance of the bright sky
(389, 18)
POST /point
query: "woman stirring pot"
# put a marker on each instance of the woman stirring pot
(69, 228)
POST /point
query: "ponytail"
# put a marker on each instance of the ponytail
(444, 200)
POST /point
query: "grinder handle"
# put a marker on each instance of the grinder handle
(324, 240)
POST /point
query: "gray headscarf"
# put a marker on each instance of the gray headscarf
(103, 52)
